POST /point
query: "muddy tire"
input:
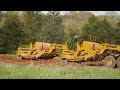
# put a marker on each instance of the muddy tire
(118, 62)
(110, 62)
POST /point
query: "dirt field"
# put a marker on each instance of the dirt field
(50, 62)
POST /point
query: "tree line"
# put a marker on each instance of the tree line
(19, 28)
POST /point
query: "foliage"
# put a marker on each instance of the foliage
(73, 22)
(32, 25)
(101, 31)
(11, 33)
(53, 29)
(19, 28)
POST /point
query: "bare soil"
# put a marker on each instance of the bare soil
(12, 59)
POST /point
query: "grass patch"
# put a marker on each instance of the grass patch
(8, 71)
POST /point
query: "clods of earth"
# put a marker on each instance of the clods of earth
(12, 59)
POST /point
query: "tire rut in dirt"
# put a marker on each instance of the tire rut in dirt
(49, 62)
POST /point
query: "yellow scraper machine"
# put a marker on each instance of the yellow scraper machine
(91, 51)
(86, 51)
(40, 50)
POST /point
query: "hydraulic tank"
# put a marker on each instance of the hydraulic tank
(89, 45)
(41, 46)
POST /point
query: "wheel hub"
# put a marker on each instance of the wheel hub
(109, 62)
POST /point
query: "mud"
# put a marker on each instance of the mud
(12, 59)
(95, 63)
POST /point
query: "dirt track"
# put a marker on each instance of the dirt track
(50, 62)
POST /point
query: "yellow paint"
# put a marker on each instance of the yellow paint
(37, 49)
(85, 50)
(109, 62)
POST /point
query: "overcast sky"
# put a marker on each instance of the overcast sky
(95, 12)
(98, 12)
(102, 12)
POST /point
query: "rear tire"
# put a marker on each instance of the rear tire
(110, 62)
(118, 62)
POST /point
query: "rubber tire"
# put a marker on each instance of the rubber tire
(118, 62)
(113, 62)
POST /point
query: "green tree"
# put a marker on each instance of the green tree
(32, 25)
(53, 29)
(96, 30)
(12, 34)
(73, 22)
(116, 33)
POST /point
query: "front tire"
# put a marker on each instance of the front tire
(110, 62)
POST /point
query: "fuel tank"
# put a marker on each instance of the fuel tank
(88, 45)
(40, 46)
